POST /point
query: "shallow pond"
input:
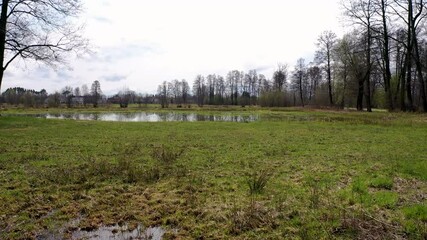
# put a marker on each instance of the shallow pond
(148, 117)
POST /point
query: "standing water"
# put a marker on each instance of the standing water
(148, 117)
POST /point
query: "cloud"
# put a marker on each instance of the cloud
(43, 73)
(8, 74)
(114, 78)
(264, 68)
(102, 19)
(63, 75)
(117, 53)
(256, 66)
(185, 39)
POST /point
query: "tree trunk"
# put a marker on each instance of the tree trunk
(386, 56)
(344, 87)
(3, 25)
(360, 95)
(329, 79)
(408, 87)
(419, 71)
(399, 98)
(402, 90)
(300, 91)
(368, 93)
(368, 70)
(409, 57)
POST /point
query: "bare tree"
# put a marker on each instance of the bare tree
(220, 90)
(84, 90)
(85, 94)
(280, 77)
(96, 93)
(77, 92)
(185, 91)
(299, 78)
(253, 85)
(343, 62)
(163, 93)
(398, 47)
(233, 83)
(126, 96)
(326, 43)
(67, 94)
(314, 75)
(41, 30)
(54, 100)
(385, 52)
(412, 13)
(211, 80)
(199, 89)
(363, 13)
(263, 84)
(175, 91)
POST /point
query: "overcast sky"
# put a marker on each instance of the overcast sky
(140, 43)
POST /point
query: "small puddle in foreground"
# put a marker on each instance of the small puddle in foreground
(117, 232)
(114, 232)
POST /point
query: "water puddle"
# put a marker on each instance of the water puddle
(117, 232)
(114, 232)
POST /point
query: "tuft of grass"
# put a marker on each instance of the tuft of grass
(33, 156)
(360, 226)
(257, 181)
(125, 163)
(315, 189)
(254, 216)
(416, 169)
(382, 182)
(385, 199)
(416, 221)
(166, 155)
(416, 212)
(360, 190)
(151, 174)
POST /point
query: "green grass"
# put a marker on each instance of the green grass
(382, 182)
(330, 175)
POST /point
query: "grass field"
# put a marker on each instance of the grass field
(294, 174)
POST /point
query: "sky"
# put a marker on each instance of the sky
(138, 44)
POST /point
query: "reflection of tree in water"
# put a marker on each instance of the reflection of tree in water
(184, 118)
(76, 116)
(163, 117)
(95, 117)
(200, 118)
(129, 117)
(148, 117)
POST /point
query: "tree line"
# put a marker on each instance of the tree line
(385, 55)
(68, 96)
(380, 63)
(74, 97)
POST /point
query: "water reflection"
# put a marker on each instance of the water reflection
(150, 117)
(120, 232)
